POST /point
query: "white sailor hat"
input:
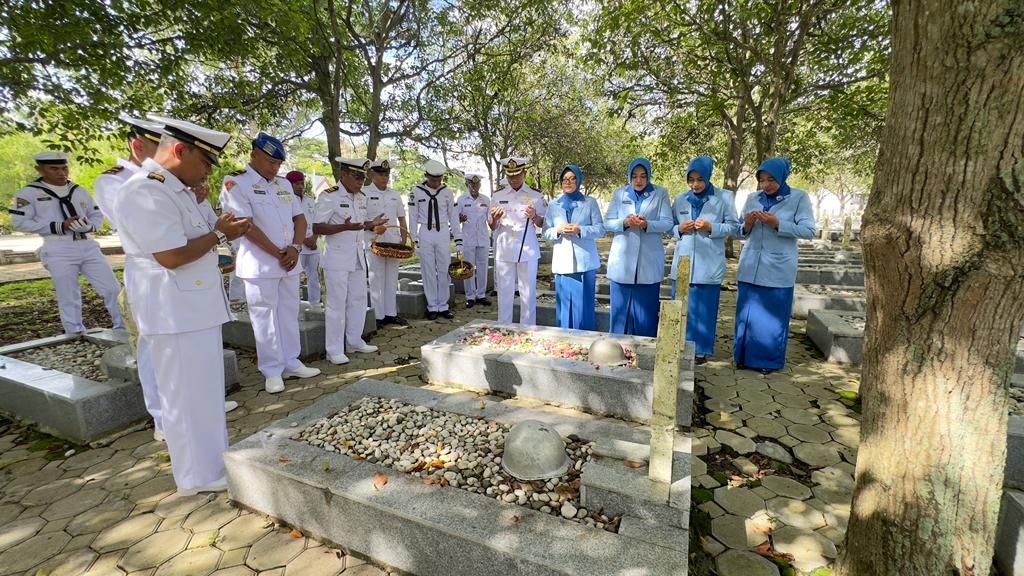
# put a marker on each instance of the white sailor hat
(357, 165)
(210, 142)
(51, 158)
(380, 166)
(434, 168)
(143, 129)
(470, 177)
(514, 164)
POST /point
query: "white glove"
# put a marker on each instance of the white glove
(80, 226)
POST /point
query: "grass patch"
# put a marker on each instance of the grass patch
(720, 477)
(700, 522)
(701, 495)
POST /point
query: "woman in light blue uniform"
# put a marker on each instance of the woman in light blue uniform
(772, 221)
(571, 223)
(638, 214)
(703, 217)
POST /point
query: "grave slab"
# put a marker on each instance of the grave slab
(805, 299)
(834, 275)
(1009, 556)
(238, 333)
(615, 391)
(428, 529)
(838, 339)
(1013, 476)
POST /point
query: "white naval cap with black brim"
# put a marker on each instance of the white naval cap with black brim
(210, 142)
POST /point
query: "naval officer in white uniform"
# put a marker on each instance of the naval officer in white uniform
(178, 298)
(473, 208)
(64, 214)
(341, 219)
(143, 138)
(384, 271)
(267, 258)
(432, 223)
(517, 213)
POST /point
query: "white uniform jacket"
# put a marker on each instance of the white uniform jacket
(105, 186)
(342, 251)
(41, 209)
(389, 203)
(515, 239)
(475, 232)
(159, 213)
(272, 206)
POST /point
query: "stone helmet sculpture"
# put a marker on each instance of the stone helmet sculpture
(534, 451)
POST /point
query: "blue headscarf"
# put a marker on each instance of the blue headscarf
(778, 168)
(701, 165)
(635, 194)
(568, 198)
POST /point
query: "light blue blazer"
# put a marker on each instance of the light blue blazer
(574, 253)
(769, 256)
(705, 249)
(638, 256)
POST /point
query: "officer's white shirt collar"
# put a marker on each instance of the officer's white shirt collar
(128, 165)
(255, 174)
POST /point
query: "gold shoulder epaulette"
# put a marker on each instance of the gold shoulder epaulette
(237, 173)
(156, 176)
(114, 170)
(331, 189)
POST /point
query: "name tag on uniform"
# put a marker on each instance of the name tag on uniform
(502, 201)
(345, 206)
(374, 197)
(684, 211)
(482, 205)
(255, 191)
(421, 199)
(43, 198)
(627, 201)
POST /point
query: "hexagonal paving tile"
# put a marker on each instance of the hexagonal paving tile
(132, 477)
(834, 494)
(22, 484)
(53, 491)
(125, 533)
(739, 501)
(118, 463)
(796, 513)
(195, 562)
(724, 420)
(75, 503)
(766, 427)
(816, 454)
(786, 487)
(809, 548)
(755, 409)
(810, 434)
(99, 518)
(39, 548)
(364, 570)
(87, 458)
(69, 563)
(8, 512)
(744, 563)
(235, 571)
(18, 531)
(154, 550)
(175, 505)
(274, 550)
(319, 561)
(153, 490)
(735, 441)
(211, 516)
(848, 436)
(736, 532)
(243, 531)
(799, 416)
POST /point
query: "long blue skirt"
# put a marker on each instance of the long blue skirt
(634, 309)
(702, 316)
(574, 300)
(762, 326)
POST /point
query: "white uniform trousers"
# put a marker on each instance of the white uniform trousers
(236, 289)
(311, 266)
(507, 277)
(274, 310)
(435, 251)
(476, 287)
(383, 285)
(189, 370)
(66, 259)
(345, 313)
(140, 350)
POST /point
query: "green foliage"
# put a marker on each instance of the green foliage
(702, 495)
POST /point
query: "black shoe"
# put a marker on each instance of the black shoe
(470, 303)
(448, 314)
(765, 371)
(399, 321)
(384, 321)
(431, 315)
(698, 360)
(483, 301)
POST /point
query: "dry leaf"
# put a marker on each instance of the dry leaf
(633, 463)
(764, 549)
(295, 533)
(419, 465)
(284, 459)
(379, 480)
(436, 463)
(429, 480)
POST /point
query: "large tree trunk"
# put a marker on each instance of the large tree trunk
(943, 239)
(735, 131)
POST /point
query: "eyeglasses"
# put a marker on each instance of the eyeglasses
(570, 180)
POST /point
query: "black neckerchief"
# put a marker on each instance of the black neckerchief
(67, 208)
(433, 210)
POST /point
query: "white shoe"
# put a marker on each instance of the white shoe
(230, 405)
(337, 359)
(364, 349)
(275, 384)
(159, 436)
(218, 485)
(301, 372)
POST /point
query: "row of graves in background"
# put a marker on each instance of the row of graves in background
(485, 481)
(830, 295)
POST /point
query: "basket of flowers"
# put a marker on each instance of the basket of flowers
(459, 269)
(390, 249)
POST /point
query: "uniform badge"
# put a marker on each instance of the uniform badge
(237, 173)
(229, 184)
(331, 189)
(114, 170)
(256, 191)
(156, 176)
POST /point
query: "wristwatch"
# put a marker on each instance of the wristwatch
(221, 237)
(298, 248)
